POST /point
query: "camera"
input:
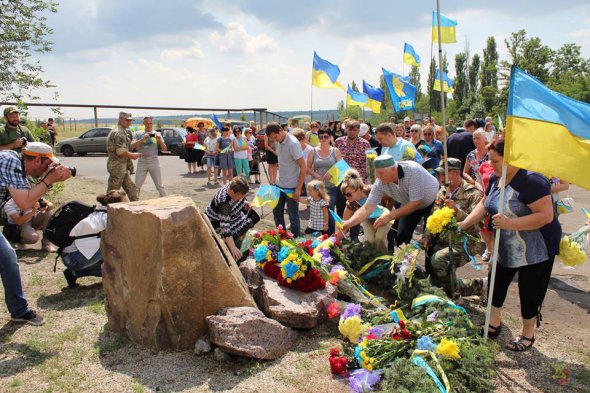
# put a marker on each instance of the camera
(153, 135)
(24, 141)
(73, 171)
(42, 203)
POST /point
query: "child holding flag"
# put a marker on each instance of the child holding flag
(226, 158)
(211, 155)
(318, 202)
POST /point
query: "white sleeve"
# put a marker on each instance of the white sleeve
(94, 223)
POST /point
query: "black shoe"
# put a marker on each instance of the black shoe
(70, 278)
(30, 317)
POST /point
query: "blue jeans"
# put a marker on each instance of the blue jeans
(333, 194)
(83, 267)
(13, 288)
(293, 209)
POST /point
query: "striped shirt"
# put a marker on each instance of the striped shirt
(228, 217)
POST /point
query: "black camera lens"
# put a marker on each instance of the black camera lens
(153, 135)
(24, 141)
(73, 171)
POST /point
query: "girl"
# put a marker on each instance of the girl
(191, 156)
(211, 154)
(226, 159)
(240, 148)
(272, 160)
(318, 202)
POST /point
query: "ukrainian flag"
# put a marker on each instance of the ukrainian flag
(547, 132)
(411, 57)
(448, 82)
(402, 93)
(375, 95)
(337, 172)
(325, 74)
(356, 98)
(448, 34)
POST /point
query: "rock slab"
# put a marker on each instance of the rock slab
(245, 331)
(165, 272)
(288, 306)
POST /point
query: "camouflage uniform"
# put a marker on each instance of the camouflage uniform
(118, 142)
(466, 197)
(9, 133)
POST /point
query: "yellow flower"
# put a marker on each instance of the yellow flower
(438, 220)
(371, 156)
(448, 348)
(570, 252)
(352, 328)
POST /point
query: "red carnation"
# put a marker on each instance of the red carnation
(311, 282)
(271, 270)
(338, 364)
(333, 311)
(272, 233)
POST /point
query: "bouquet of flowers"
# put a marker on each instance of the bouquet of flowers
(403, 265)
(442, 222)
(371, 155)
(572, 248)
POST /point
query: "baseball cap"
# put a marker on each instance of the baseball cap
(363, 129)
(10, 109)
(406, 119)
(126, 115)
(39, 149)
(453, 163)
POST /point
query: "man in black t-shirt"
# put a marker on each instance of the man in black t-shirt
(461, 143)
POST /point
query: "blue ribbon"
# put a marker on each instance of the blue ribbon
(471, 257)
(420, 362)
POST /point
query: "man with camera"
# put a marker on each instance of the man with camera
(22, 225)
(146, 143)
(37, 161)
(13, 136)
(120, 162)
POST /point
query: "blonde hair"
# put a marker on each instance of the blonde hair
(353, 180)
(320, 187)
(480, 132)
(298, 133)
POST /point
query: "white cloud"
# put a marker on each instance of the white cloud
(237, 39)
(193, 51)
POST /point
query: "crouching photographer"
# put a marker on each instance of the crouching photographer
(22, 225)
(37, 161)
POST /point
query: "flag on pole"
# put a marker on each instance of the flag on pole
(325, 74)
(337, 172)
(547, 132)
(402, 93)
(375, 95)
(448, 33)
(500, 125)
(410, 56)
(448, 82)
(356, 98)
(215, 120)
(337, 219)
(198, 146)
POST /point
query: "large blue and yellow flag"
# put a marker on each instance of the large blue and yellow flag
(402, 93)
(410, 56)
(356, 98)
(337, 172)
(325, 74)
(269, 195)
(215, 120)
(375, 95)
(448, 34)
(447, 82)
(547, 132)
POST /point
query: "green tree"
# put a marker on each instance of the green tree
(353, 86)
(386, 104)
(472, 85)
(415, 80)
(431, 92)
(460, 79)
(23, 31)
(570, 74)
(489, 75)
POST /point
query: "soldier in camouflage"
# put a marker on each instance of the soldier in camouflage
(463, 198)
(120, 164)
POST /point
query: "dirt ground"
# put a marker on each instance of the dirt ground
(73, 352)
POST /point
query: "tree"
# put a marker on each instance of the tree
(353, 86)
(472, 86)
(386, 104)
(415, 80)
(570, 74)
(431, 77)
(23, 31)
(460, 79)
(489, 75)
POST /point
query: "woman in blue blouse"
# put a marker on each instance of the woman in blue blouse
(529, 242)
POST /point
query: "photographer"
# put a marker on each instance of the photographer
(13, 136)
(147, 142)
(23, 225)
(37, 160)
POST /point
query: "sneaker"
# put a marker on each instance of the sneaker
(30, 317)
(70, 278)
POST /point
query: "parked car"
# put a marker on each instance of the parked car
(92, 141)
(173, 137)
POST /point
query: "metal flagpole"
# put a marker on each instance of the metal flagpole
(495, 255)
(311, 104)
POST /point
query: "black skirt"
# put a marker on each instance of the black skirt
(192, 155)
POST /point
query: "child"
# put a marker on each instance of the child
(226, 156)
(211, 154)
(318, 201)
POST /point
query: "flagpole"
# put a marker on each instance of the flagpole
(311, 103)
(495, 255)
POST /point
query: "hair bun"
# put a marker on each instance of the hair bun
(352, 174)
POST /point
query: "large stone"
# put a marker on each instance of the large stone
(245, 331)
(288, 306)
(165, 271)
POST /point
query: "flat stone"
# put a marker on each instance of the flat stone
(245, 331)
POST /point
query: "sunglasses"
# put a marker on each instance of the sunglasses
(414, 131)
(428, 133)
(324, 136)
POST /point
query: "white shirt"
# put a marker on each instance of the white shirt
(93, 224)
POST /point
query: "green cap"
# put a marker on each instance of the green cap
(384, 161)
(454, 164)
(10, 109)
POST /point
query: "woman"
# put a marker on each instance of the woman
(356, 192)
(475, 158)
(272, 160)
(191, 156)
(529, 242)
(438, 133)
(319, 161)
(436, 148)
(240, 148)
(400, 131)
(201, 136)
(83, 257)
(416, 137)
(490, 131)
(230, 215)
(226, 157)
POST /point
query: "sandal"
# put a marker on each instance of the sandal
(495, 332)
(518, 345)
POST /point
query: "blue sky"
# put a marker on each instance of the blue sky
(250, 53)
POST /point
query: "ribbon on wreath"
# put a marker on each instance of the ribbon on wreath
(420, 362)
(421, 300)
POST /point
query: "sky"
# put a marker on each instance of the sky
(254, 53)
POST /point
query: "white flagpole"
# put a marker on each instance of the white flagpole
(495, 256)
(442, 91)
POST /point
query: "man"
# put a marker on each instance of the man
(292, 172)
(462, 197)
(14, 135)
(37, 161)
(410, 186)
(451, 129)
(392, 145)
(146, 143)
(461, 143)
(52, 132)
(120, 162)
(24, 224)
(365, 133)
(407, 125)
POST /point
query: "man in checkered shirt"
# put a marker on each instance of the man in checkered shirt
(36, 160)
(411, 187)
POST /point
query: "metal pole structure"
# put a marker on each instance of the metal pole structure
(495, 255)
(311, 103)
(228, 115)
(95, 117)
